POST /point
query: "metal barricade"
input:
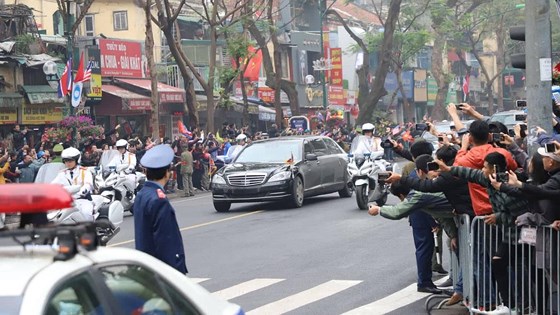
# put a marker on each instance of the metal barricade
(510, 270)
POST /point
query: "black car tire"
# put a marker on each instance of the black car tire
(346, 192)
(222, 206)
(296, 199)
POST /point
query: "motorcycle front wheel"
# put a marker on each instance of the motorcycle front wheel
(362, 197)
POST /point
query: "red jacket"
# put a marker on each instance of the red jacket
(474, 158)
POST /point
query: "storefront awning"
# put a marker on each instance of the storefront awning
(42, 94)
(167, 93)
(130, 100)
(10, 100)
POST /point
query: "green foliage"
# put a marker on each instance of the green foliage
(22, 43)
(226, 75)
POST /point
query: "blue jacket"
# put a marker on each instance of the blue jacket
(156, 231)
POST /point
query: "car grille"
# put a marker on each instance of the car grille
(246, 179)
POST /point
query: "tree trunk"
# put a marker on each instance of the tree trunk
(500, 65)
(439, 75)
(378, 90)
(190, 104)
(245, 102)
(149, 50)
(406, 103)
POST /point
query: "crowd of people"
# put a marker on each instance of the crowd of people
(481, 171)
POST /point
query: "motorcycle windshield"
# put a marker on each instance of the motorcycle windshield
(107, 157)
(48, 172)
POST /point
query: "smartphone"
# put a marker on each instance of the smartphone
(556, 97)
(440, 138)
(433, 166)
(520, 117)
(521, 103)
(497, 137)
(421, 127)
(382, 177)
(550, 148)
(502, 177)
(459, 106)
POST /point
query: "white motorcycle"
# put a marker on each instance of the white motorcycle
(364, 171)
(107, 215)
(113, 183)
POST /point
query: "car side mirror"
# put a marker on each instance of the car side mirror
(311, 157)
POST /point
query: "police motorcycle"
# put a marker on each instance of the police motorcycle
(367, 172)
(107, 216)
(113, 183)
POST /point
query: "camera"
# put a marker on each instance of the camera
(550, 148)
(387, 144)
(433, 166)
(497, 137)
(422, 127)
(382, 177)
(521, 103)
(502, 177)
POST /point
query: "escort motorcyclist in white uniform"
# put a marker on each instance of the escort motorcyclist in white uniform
(125, 158)
(367, 143)
(76, 175)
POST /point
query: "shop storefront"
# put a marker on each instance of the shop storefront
(10, 103)
(119, 105)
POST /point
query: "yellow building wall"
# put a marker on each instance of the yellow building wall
(103, 19)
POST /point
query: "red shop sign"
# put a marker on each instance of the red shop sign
(120, 58)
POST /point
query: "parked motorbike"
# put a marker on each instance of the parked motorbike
(107, 215)
(364, 171)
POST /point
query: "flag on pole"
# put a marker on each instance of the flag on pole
(183, 129)
(80, 73)
(466, 83)
(87, 73)
(65, 82)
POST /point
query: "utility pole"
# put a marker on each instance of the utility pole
(70, 52)
(539, 66)
(323, 11)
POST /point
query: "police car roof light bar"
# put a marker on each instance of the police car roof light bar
(66, 239)
(33, 198)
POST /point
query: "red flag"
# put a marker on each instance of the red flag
(183, 129)
(80, 73)
(254, 65)
(65, 83)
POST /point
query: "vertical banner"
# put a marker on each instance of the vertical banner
(94, 92)
(336, 72)
(326, 46)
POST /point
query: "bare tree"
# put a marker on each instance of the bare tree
(149, 48)
(369, 96)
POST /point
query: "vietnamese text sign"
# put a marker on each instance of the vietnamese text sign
(8, 116)
(120, 58)
(336, 95)
(95, 85)
(336, 72)
(41, 114)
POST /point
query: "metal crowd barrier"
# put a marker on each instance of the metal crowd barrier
(508, 270)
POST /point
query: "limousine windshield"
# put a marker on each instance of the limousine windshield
(271, 152)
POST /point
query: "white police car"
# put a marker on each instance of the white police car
(71, 275)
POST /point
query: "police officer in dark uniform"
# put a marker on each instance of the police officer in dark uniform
(156, 231)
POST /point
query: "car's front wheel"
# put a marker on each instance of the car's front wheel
(222, 206)
(296, 199)
(346, 192)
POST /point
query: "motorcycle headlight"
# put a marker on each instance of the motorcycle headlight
(280, 176)
(218, 179)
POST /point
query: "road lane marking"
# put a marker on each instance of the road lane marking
(183, 199)
(244, 288)
(198, 280)
(392, 302)
(305, 297)
(197, 226)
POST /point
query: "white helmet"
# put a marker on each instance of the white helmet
(368, 127)
(122, 143)
(241, 137)
(71, 153)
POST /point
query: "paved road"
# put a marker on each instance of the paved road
(327, 257)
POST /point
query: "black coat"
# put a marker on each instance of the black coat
(456, 190)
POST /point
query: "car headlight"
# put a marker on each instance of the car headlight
(218, 179)
(280, 176)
